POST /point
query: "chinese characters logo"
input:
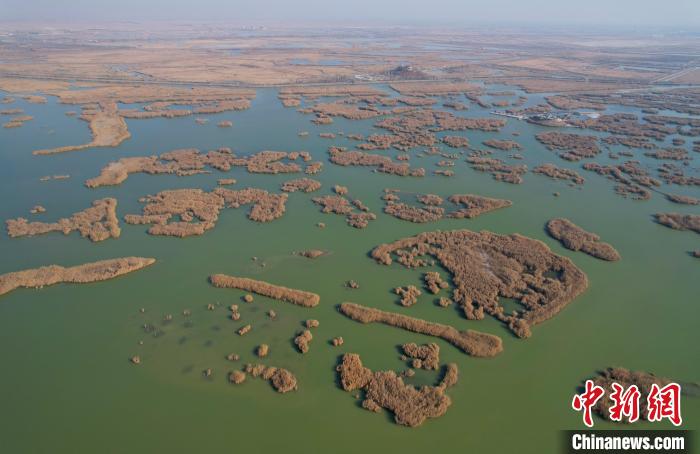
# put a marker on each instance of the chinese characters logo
(661, 403)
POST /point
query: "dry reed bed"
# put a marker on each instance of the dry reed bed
(278, 292)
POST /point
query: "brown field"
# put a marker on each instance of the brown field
(52, 62)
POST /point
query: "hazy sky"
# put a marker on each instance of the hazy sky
(666, 13)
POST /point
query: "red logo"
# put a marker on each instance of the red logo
(624, 403)
(587, 400)
(665, 403)
(662, 403)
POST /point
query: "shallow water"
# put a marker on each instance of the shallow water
(67, 383)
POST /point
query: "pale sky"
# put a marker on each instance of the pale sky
(634, 13)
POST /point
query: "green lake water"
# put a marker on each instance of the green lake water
(67, 385)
